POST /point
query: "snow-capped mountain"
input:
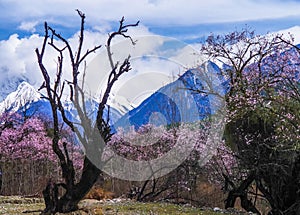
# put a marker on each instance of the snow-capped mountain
(179, 101)
(9, 84)
(172, 103)
(169, 104)
(22, 97)
(29, 101)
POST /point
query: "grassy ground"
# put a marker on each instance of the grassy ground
(10, 205)
(153, 208)
(32, 206)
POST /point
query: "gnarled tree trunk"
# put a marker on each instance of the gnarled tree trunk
(70, 199)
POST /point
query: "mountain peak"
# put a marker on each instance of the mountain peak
(24, 85)
(24, 95)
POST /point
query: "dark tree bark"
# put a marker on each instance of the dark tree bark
(241, 192)
(69, 201)
(74, 192)
(51, 197)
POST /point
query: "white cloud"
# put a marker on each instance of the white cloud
(163, 12)
(18, 57)
(28, 26)
(156, 61)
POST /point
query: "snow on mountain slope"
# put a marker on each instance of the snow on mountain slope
(295, 31)
(24, 95)
(91, 107)
(120, 103)
(9, 83)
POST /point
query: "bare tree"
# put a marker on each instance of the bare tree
(55, 88)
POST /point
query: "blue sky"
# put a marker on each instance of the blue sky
(190, 21)
(185, 19)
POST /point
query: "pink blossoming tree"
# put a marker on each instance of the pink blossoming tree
(263, 117)
(26, 143)
(150, 142)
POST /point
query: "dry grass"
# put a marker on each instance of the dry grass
(99, 194)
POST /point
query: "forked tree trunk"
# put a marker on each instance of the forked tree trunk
(241, 192)
(70, 199)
